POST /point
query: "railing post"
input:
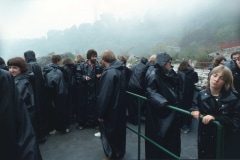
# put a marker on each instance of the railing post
(139, 128)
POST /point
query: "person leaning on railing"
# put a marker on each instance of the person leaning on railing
(218, 102)
(162, 124)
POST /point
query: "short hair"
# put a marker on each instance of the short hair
(227, 76)
(2, 61)
(152, 59)
(183, 66)
(235, 53)
(19, 62)
(108, 56)
(123, 59)
(218, 60)
(144, 60)
(90, 53)
(67, 61)
(79, 58)
(56, 58)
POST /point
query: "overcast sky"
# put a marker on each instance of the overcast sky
(33, 18)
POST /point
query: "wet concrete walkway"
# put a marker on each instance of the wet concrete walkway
(83, 145)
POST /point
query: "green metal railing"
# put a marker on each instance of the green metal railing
(220, 133)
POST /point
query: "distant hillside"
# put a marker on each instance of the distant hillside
(202, 30)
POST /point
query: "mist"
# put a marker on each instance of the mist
(137, 30)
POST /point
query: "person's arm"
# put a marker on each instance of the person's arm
(194, 110)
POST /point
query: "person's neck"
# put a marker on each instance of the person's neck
(90, 63)
(215, 91)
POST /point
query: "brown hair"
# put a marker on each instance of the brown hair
(108, 56)
(227, 76)
(218, 60)
(183, 66)
(123, 59)
(67, 61)
(19, 62)
(56, 58)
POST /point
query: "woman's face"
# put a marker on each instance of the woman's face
(168, 65)
(216, 80)
(14, 70)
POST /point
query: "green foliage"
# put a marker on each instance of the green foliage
(229, 32)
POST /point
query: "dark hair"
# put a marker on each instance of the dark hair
(218, 60)
(67, 61)
(2, 61)
(144, 60)
(235, 53)
(19, 62)
(183, 66)
(90, 53)
(56, 58)
(29, 53)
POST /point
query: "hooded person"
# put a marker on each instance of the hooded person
(3, 64)
(161, 122)
(39, 95)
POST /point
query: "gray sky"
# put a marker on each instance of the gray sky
(33, 18)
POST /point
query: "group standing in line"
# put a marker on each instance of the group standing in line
(92, 94)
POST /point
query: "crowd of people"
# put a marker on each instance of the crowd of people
(37, 101)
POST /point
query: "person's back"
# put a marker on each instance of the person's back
(39, 95)
(111, 107)
(136, 81)
(69, 76)
(56, 91)
(187, 79)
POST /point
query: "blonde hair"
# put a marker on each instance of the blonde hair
(152, 59)
(227, 76)
(79, 58)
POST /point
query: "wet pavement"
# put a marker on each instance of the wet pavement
(83, 145)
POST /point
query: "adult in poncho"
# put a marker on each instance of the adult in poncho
(18, 141)
(162, 123)
(112, 107)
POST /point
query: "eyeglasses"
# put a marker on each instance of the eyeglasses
(236, 58)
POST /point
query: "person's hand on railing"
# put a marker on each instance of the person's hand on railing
(163, 104)
(195, 114)
(100, 120)
(208, 118)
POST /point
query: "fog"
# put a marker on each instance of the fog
(133, 27)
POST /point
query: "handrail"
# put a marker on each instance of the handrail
(220, 132)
